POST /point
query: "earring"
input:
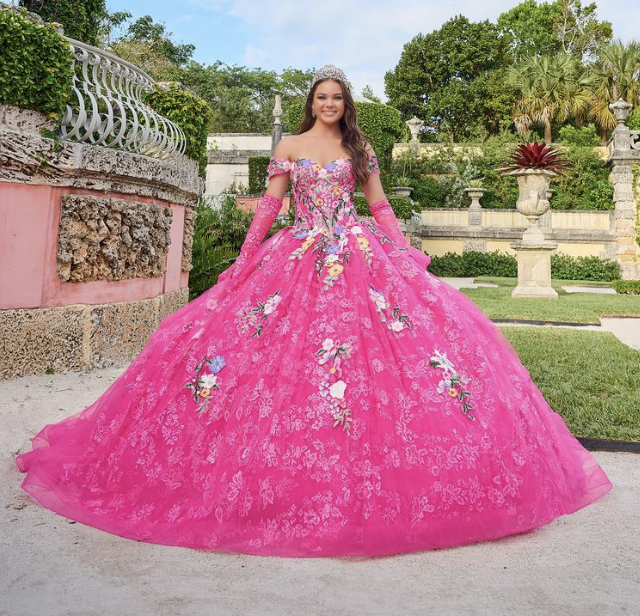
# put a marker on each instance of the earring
(313, 113)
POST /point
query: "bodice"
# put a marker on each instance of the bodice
(322, 196)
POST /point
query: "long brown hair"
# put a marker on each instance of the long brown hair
(353, 140)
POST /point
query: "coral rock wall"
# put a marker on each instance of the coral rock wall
(111, 239)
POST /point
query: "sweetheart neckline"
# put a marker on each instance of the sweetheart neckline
(315, 161)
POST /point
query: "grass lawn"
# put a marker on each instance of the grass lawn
(568, 307)
(590, 378)
(556, 284)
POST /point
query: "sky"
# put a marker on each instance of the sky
(364, 38)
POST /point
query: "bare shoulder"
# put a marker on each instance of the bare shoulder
(286, 147)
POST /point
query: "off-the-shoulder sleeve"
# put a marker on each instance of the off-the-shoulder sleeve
(374, 166)
(278, 165)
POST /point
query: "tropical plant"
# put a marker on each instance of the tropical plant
(475, 183)
(553, 88)
(615, 75)
(536, 156)
(463, 171)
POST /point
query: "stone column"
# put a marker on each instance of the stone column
(276, 134)
(621, 159)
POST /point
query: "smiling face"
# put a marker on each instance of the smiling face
(328, 101)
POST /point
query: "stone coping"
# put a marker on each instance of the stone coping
(514, 233)
(29, 158)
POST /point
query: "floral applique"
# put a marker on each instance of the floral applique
(451, 381)
(363, 243)
(384, 238)
(255, 317)
(308, 241)
(202, 386)
(398, 321)
(332, 385)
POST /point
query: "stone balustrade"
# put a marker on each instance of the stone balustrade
(108, 109)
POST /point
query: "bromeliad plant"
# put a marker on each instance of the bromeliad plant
(536, 156)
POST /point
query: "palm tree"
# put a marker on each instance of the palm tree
(552, 88)
(615, 75)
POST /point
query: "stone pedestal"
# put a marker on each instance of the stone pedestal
(475, 209)
(534, 269)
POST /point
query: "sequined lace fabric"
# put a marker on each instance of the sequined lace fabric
(332, 398)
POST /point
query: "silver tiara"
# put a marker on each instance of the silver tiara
(329, 71)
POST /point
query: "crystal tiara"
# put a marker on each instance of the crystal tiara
(329, 71)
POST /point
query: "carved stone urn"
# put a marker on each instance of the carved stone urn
(533, 250)
(533, 201)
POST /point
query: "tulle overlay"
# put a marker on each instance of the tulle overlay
(333, 398)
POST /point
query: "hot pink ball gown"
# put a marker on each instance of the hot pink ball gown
(330, 398)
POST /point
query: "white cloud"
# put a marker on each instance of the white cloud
(363, 37)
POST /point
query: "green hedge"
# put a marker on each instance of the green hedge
(79, 18)
(496, 263)
(258, 167)
(190, 112)
(630, 287)
(428, 193)
(401, 206)
(381, 124)
(474, 263)
(35, 65)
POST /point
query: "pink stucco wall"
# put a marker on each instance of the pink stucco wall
(29, 219)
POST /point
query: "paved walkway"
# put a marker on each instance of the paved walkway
(585, 564)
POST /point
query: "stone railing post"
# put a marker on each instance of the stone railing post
(621, 159)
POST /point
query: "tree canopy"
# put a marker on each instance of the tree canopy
(453, 78)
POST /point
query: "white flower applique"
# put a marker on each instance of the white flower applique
(332, 386)
(256, 316)
(397, 321)
(452, 382)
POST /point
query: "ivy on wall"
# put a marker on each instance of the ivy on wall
(35, 64)
(79, 18)
(190, 112)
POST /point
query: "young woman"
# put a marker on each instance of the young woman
(329, 396)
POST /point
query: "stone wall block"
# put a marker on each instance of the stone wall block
(111, 239)
(34, 341)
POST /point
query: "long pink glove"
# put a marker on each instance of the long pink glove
(266, 213)
(384, 216)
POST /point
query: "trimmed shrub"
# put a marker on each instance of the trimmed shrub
(497, 263)
(401, 207)
(630, 287)
(428, 193)
(565, 267)
(35, 65)
(474, 263)
(190, 112)
(258, 166)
